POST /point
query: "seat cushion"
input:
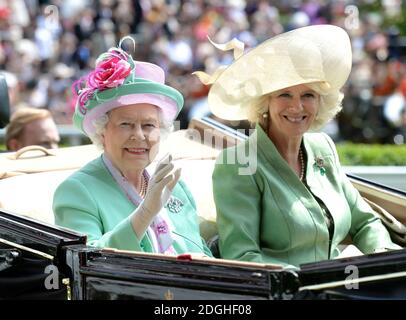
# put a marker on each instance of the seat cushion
(31, 194)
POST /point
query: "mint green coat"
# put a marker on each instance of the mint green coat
(91, 202)
(269, 216)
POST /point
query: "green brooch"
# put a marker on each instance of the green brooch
(319, 163)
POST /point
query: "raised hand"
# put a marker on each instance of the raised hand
(160, 185)
(159, 190)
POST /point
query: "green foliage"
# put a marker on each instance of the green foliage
(371, 154)
(399, 21)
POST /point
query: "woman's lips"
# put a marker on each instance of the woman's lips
(138, 151)
(295, 119)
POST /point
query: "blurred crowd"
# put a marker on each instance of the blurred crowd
(45, 45)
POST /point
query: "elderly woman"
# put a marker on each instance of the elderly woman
(295, 204)
(124, 106)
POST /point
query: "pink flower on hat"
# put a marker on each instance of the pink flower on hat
(109, 73)
(112, 68)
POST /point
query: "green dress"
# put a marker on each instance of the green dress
(270, 216)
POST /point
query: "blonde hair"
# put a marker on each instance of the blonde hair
(100, 124)
(330, 105)
(20, 118)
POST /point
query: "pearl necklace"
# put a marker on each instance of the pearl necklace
(302, 165)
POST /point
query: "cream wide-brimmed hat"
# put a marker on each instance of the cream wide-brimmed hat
(320, 53)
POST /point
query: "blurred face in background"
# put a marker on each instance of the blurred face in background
(42, 132)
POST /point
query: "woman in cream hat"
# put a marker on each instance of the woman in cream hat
(296, 205)
(123, 106)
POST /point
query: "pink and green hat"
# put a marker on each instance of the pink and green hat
(118, 81)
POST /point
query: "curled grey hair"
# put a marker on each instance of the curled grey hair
(165, 126)
(330, 105)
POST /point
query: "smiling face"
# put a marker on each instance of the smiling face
(131, 138)
(292, 111)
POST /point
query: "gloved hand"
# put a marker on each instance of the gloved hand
(159, 190)
(160, 186)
